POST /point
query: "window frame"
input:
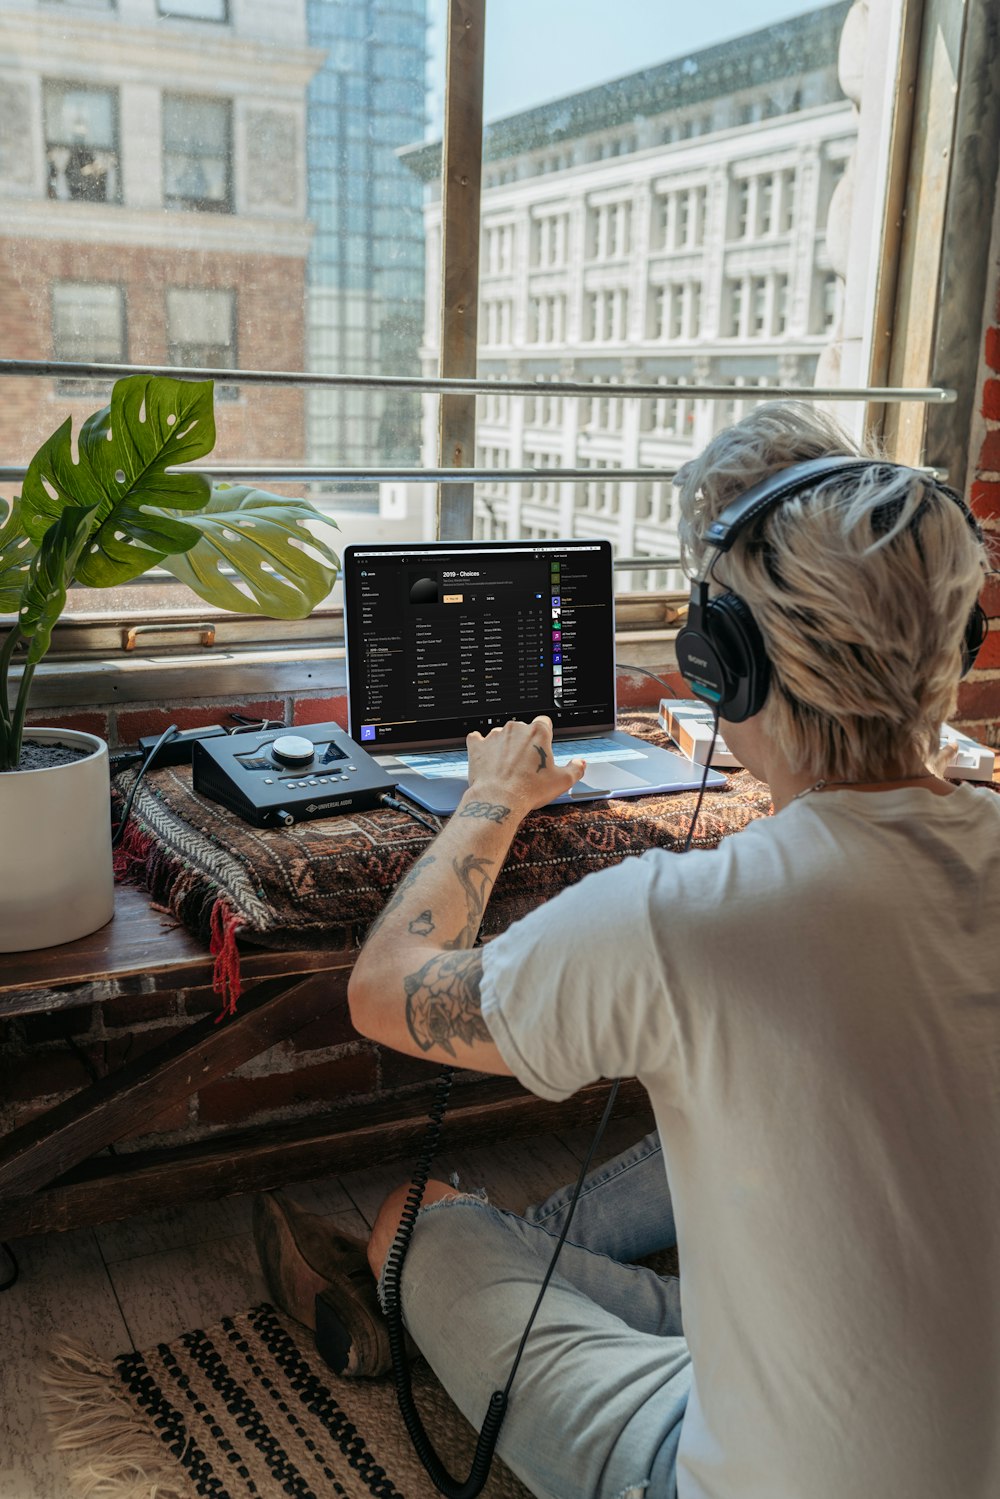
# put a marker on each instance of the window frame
(906, 286)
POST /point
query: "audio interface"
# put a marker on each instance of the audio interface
(283, 776)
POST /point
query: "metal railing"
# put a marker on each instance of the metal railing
(432, 384)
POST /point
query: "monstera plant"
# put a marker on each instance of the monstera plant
(100, 515)
(113, 509)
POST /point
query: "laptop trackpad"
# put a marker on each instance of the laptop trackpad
(605, 775)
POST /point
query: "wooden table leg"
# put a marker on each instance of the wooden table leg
(49, 1145)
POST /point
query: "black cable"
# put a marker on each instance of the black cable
(123, 820)
(642, 670)
(497, 1408)
(15, 1268)
(388, 800)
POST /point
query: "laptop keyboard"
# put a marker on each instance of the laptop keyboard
(447, 763)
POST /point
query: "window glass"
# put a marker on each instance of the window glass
(197, 163)
(81, 142)
(88, 323)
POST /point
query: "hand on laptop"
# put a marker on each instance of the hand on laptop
(514, 767)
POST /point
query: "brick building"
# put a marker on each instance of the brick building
(153, 202)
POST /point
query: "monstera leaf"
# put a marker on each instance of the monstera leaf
(124, 451)
(49, 575)
(16, 552)
(262, 537)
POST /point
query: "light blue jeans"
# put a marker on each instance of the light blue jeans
(597, 1403)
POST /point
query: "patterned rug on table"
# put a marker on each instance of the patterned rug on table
(247, 1410)
(320, 884)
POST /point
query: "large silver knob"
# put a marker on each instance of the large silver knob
(292, 749)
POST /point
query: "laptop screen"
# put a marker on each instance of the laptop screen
(449, 637)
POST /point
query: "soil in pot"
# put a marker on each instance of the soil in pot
(46, 753)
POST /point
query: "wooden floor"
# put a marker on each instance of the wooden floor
(145, 1280)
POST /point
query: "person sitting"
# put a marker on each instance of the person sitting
(813, 1010)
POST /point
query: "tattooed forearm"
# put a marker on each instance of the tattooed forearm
(490, 811)
(477, 883)
(422, 925)
(543, 758)
(443, 1001)
(401, 891)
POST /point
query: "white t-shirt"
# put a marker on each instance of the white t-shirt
(814, 1009)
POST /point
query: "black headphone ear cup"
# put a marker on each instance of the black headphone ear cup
(976, 629)
(739, 645)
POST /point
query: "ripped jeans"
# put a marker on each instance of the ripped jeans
(597, 1403)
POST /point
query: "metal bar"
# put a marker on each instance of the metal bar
(72, 369)
(290, 473)
(461, 171)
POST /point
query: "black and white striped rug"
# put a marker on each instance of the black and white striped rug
(247, 1410)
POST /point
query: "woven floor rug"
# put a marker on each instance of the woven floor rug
(247, 1410)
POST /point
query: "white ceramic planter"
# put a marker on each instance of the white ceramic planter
(56, 876)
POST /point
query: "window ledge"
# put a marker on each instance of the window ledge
(277, 671)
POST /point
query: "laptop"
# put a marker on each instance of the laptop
(446, 637)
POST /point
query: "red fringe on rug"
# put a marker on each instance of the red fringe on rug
(139, 857)
(132, 854)
(226, 980)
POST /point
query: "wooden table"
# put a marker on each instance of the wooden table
(50, 1174)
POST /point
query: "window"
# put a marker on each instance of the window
(81, 142)
(758, 305)
(194, 10)
(305, 208)
(88, 324)
(201, 331)
(197, 154)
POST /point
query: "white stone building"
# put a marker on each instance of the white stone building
(670, 226)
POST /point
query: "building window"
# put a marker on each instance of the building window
(201, 331)
(758, 305)
(781, 301)
(765, 205)
(81, 142)
(197, 153)
(735, 322)
(88, 324)
(743, 208)
(194, 10)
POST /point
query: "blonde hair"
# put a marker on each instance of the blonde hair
(861, 586)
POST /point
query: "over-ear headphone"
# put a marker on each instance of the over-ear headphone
(720, 651)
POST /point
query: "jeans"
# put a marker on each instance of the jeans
(597, 1403)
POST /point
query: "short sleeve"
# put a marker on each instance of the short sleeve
(575, 991)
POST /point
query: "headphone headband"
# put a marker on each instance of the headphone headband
(787, 482)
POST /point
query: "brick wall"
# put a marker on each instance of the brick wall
(324, 1065)
(979, 695)
(264, 423)
(123, 724)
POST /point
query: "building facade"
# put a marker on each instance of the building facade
(667, 227)
(153, 204)
(366, 265)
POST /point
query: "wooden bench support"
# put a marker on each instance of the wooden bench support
(113, 1187)
(50, 1145)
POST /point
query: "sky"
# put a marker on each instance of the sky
(537, 50)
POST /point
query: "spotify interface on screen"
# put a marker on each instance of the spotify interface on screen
(444, 641)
